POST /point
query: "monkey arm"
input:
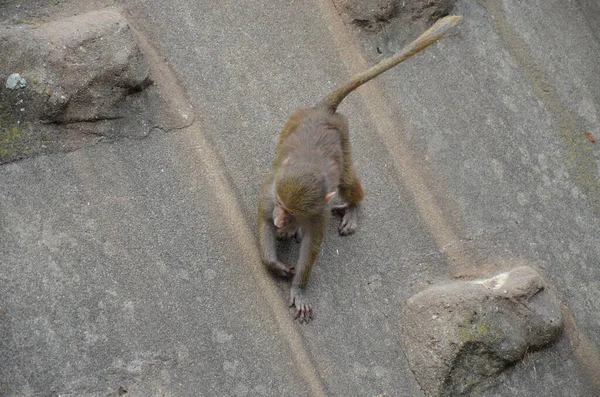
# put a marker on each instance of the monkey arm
(309, 249)
(268, 254)
(267, 233)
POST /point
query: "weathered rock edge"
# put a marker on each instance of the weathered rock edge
(87, 78)
(460, 333)
(373, 14)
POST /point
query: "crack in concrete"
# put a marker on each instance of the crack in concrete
(192, 123)
(74, 121)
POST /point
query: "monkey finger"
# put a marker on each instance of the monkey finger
(343, 228)
(307, 313)
(298, 236)
(348, 230)
(348, 225)
(343, 223)
(301, 316)
(282, 270)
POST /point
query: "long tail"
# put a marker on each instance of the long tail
(431, 35)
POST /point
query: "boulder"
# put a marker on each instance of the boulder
(460, 333)
(69, 83)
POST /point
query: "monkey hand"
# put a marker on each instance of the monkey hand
(298, 235)
(349, 214)
(303, 310)
(281, 269)
(290, 232)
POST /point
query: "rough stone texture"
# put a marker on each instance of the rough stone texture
(97, 61)
(368, 11)
(372, 15)
(426, 9)
(118, 265)
(86, 74)
(15, 81)
(460, 333)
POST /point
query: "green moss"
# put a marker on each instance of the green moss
(482, 328)
(470, 331)
(8, 137)
(32, 22)
(465, 333)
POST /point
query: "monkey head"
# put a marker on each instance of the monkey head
(300, 192)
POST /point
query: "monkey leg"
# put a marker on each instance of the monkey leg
(352, 195)
(267, 249)
(349, 214)
(350, 189)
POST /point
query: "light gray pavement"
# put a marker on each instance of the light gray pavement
(133, 264)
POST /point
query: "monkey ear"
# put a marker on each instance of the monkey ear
(329, 196)
(286, 162)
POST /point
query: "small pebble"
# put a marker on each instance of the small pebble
(15, 81)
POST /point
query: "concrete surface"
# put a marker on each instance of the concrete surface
(132, 265)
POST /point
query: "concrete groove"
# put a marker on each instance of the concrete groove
(445, 237)
(374, 99)
(240, 230)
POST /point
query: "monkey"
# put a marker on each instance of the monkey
(313, 163)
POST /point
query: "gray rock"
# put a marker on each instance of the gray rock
(97, 62)
(361, 10)
(372, 15)
(429, 10)
(461, 333)
(15, 81)
(88, 79)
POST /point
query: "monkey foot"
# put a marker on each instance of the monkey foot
(281, 269)
(349, 222)
(303, 310)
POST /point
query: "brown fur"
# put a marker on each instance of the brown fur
(313, 160)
